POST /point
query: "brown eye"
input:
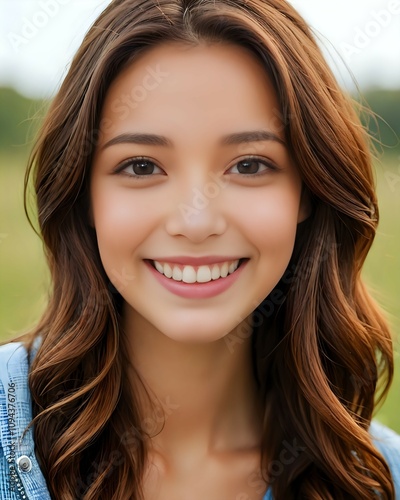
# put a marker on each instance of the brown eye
(140, 167)
(252, 166)
(248, 167)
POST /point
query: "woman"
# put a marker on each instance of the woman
(206, 201)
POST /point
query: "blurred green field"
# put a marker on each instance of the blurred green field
(24, 277)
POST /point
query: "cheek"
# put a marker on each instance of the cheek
(269, 219)
(121, 219)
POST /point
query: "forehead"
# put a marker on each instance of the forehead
(207, 87)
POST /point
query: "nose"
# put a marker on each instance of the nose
(198, 212)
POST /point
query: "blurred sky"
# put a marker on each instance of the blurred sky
(39, 37)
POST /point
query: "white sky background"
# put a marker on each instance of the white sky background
(365, 33)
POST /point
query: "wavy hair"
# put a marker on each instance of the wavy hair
(318, 355)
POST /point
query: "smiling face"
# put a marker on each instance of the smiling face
(196, 226)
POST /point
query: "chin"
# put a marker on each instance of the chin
(198, 336)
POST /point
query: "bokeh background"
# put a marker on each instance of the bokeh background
(361, 40)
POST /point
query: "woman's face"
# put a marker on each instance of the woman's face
(214, 187)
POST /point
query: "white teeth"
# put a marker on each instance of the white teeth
(215, 273)
(189, 275)
(204, 274)
(232, 268)
(177, 274)
(167, 270)
(224, 270)
(159, 267)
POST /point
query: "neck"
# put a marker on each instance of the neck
(207, 392)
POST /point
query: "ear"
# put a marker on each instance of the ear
(305, 207)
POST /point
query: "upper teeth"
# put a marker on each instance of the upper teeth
(201, 274)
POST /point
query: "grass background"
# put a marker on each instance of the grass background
(24, 276)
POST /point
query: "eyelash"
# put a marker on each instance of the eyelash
(125, 164)
(120, 169)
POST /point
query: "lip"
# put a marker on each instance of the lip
(197, 290)
(197, 261)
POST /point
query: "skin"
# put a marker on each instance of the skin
(194, 354)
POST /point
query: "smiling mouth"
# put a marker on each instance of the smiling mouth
(197, 274)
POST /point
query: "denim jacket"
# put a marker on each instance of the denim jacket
(20, 475)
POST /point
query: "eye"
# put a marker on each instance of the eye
(138, 167)
(252, 167)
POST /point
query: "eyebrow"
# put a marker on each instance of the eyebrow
(160, 140)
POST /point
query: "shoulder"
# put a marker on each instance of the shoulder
(20, 474)
(13, 366)
(14, 370)
(14, 389)
(12, 356)
(14, 359)
(388, 443)
(13, 379)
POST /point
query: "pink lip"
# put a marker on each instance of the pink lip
(197, 290)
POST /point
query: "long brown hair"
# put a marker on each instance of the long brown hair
(320, 343)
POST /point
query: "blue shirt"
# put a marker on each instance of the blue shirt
(20, 475)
